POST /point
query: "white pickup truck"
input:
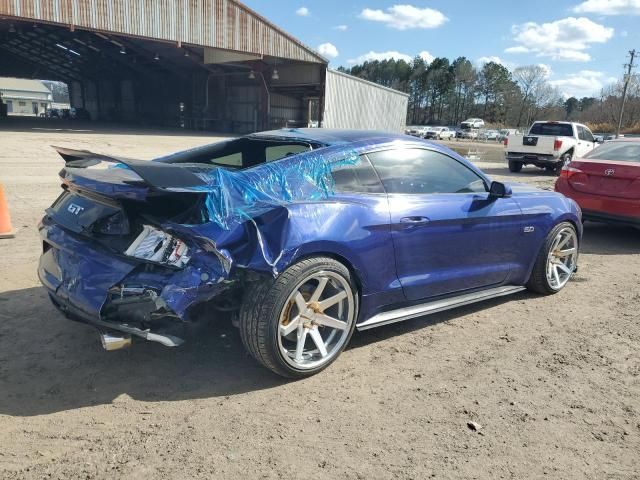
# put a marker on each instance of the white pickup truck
(549, 145)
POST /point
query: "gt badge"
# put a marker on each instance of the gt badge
(75, 209)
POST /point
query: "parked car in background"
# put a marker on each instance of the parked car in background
(549, 145)
(504, 133)
(469, 134)
(77, 113)
(472, 123)
(397, 228)
(489, 135)
(52, 113)
(606, 182)
(439, 133)
(612, 136)
(419, 131)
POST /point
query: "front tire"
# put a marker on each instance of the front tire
(556, 262)
(298, 324)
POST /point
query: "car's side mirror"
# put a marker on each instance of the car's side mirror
(499, 190)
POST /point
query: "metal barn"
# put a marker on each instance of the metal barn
(206, 64)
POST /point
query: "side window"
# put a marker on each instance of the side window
(418, 171)
(233, 160)
(581, 133)
(281, 151)
(589, 136)
(358, 178)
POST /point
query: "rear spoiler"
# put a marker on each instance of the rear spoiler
(154, 174)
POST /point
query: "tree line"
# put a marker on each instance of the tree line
(446, 93)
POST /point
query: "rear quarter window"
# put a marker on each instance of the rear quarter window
(281, 151)
(358, 178)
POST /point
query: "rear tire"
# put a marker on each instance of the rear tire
(515, 167)
(283, 321)
(548, 276)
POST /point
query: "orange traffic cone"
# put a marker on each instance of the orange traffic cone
(5, 220)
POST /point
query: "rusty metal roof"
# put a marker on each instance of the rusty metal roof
(225, 24)
(22, 85)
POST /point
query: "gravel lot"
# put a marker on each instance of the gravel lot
(554, 382)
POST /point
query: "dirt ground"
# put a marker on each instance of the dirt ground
(554, 382)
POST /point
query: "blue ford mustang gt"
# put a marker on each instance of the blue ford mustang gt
(301, 235)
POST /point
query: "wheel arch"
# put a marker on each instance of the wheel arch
(311, 252)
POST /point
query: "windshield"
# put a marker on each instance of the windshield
(552, 129)
(618, 151)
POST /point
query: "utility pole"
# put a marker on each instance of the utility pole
(627, 78)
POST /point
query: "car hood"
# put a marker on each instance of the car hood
(517, 188)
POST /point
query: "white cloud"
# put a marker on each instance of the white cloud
(371, 56)
(405, 17)
(342, 28)
(303, 12)
(328, 50)
(585, 83)
(546, 69)
(492, 58)
(518, 49)
(566, 39)
(426, 56)
(609, 7)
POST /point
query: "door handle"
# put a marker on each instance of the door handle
(414, 220)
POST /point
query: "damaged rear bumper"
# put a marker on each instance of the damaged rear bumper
(75, 314)
(116, 294)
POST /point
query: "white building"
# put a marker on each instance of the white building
(25, 97)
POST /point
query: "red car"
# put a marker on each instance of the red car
(606, 182)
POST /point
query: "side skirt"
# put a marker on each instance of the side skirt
(435, 306)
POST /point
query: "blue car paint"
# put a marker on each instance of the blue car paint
(268, 217)
(467, 243)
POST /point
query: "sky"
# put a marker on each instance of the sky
(584, 43)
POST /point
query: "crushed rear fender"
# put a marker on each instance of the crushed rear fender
(253, 222)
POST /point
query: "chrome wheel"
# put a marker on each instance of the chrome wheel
(562, 258)
(316, 320)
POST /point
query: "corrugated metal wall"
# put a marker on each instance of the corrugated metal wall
(212, 23)
(351, 102)
(244, 106)
(286, 111)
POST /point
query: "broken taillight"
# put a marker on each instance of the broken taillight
(156, 246)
